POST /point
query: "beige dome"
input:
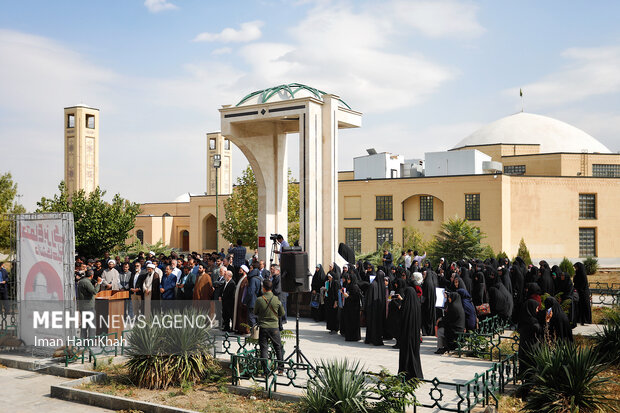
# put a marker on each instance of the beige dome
(528, 128)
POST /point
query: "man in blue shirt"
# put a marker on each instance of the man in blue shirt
(167, 286)
(238, 253)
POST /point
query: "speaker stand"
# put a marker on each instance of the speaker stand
(300, 356)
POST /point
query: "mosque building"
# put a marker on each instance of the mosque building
(523, 176)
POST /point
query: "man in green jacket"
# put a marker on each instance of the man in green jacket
(268, 310)
(86, 292)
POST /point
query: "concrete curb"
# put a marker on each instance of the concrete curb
(68, 391)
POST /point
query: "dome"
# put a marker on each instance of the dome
(527, 128)
(284, 92)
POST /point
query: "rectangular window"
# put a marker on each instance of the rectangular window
(353, 238)
(587, 242)
(384, 208)
(226, 144)
(514, 169)
(212, 143)
(70, 120)
(472, 207)
(587, 206)
(90, 121)
(426, 208)
(606, 171)
(384, 235)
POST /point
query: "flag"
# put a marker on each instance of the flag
(520, 93)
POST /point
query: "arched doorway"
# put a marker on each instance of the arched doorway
(185, 240)
(209, 233)
(424, 212)
(140, 236)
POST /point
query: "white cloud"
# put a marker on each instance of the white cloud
(342, 51)
(439, 18)
(247, 32)
(221, 51)
(155, 6)
(590, 72)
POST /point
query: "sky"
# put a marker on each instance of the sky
(425, 74)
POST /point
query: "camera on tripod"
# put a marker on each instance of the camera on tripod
(274, 237)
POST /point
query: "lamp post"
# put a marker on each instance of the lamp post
(217, 162)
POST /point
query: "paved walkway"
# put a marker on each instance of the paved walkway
(317, 344)
(29, 392)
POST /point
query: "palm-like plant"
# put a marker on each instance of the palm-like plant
(340, 386)
(160, 356)
(566, 378)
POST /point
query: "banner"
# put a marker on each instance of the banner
(45, 276)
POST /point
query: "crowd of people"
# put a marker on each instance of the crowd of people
(159, 282)
(398, 301)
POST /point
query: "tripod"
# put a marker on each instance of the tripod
(272, 255)
(297, 351)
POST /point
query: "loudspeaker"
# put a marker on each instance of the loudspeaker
(294, 271)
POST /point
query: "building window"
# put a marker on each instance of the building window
(426, 208)
(140, 236)
(212, 143)
(384, 235)
(514, 169)
(70, 120)
(587, 242)
(472, 207)
(90, 121)
(226, 144)
(384, 208)
(587, 206)
(353, 238)
(606, 171)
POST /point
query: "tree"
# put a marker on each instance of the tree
(8, 192)
(99, 226)
(457, 239)
(524, 253)
(241, 211)
(413, 240)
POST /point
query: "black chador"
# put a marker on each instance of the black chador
(375, 310)
(350, 324)
(409, 355)
(429, 311)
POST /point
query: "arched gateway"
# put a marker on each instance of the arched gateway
(258, 125)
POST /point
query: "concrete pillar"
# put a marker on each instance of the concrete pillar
(311, 232)
(329, 170)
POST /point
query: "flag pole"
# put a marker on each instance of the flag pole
(521, 95)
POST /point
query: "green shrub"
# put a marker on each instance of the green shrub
(501, 256)
(457, 239)
(340, 386)
(566, 378)
(608, 342)
(524, 253)
(567, 267)
(160, 357)
(394, 392)
(591, 265)
(487, 252)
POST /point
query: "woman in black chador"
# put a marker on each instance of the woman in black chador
(318, 282)
(350, 324)
(559, 326)
(580, 280)
(429, 312)
(409, 355)
(375, 310)
(331, 302)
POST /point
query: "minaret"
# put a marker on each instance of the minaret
(81, 125)
(217, 144)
